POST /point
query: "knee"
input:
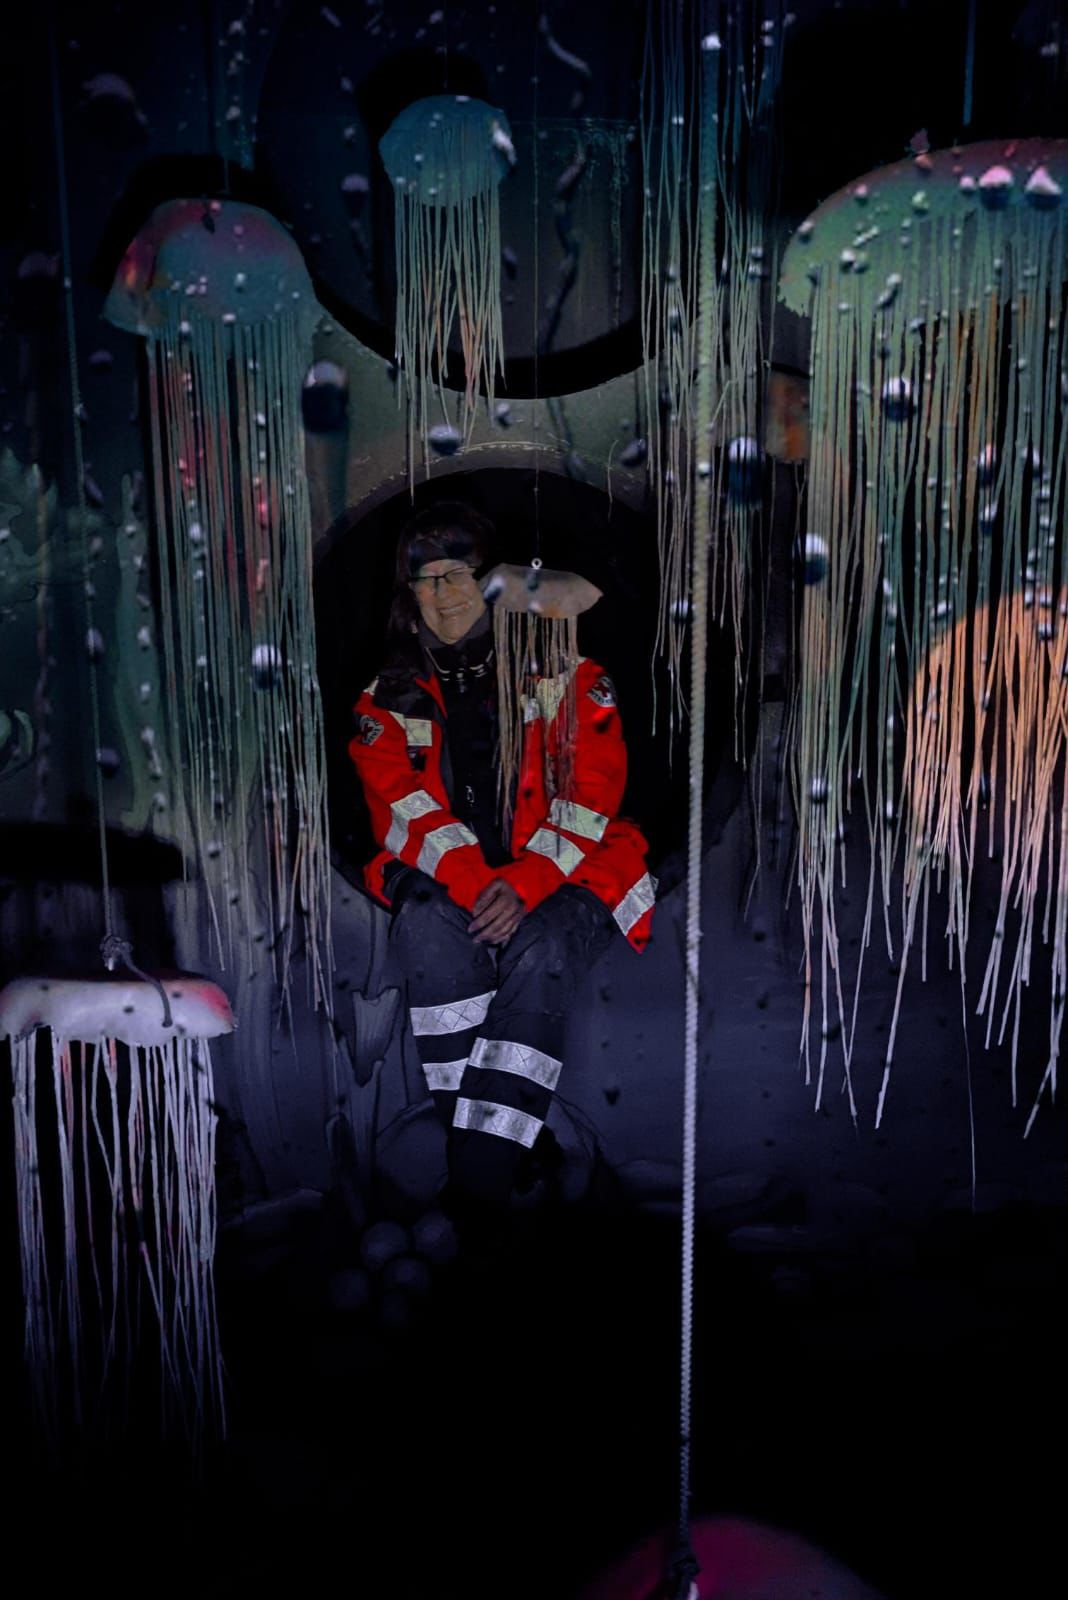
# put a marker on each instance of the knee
(539, 945)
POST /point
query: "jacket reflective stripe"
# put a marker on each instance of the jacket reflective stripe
(486, 1116)
(416, 729)
(578, 819)
(560, 851)
(443, 1074)
(452, 1017)
(405, 810)
(635, 903)
(453, 836)
(548, 692)
(503, 1055)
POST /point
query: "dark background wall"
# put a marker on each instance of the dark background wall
(878, 1362)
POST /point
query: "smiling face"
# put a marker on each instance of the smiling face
(449, 599)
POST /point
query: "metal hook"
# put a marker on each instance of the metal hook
(114, 949)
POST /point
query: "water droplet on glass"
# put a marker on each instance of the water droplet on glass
(1043, 191)
(266, 665)
(897, 399)
(324, 397)
(445, 439)
(995, 187)
(745, 461)
(816, 558)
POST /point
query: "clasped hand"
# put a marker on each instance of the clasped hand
(497, 913)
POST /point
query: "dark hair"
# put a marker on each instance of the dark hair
(450, 529)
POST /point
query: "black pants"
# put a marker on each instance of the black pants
(489, 1023)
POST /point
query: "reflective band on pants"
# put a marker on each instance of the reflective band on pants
(503, 1055)
(452, 1017)
(444, 1074)
(485, 1116)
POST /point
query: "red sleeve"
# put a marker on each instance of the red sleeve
(573, 830)
(409, 810)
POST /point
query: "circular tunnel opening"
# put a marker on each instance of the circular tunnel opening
(572, 526)
(570, 210)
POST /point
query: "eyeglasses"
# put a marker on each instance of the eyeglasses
(455, 579)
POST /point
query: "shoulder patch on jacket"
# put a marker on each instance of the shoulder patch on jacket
(369, 730)
(603, 692)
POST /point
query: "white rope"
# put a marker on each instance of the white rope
(698, 664)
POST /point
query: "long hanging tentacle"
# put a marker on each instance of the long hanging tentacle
(932, 703)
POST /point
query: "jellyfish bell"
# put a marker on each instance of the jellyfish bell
(446, 149)
(243, 270)
(539, 590)
(126, 1009)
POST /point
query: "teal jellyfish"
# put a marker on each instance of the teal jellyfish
(933, 626)
(221, 294)
(445, 157)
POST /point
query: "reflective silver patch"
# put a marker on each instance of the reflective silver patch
(549, 692)
(578, 819)
(452, 1017)
(417, 730)
(453, 836)
(485, 1116)
(504, 1055)
(560, 851)
(405, 811)
(443, 1074)
(635, 903)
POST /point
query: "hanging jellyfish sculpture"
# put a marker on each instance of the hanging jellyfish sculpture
(445, 156)
(124, 1261)
(935, 600)
(535, 638)
(726, 449)
(221, 294)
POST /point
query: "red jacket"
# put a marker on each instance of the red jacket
(580, 840)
